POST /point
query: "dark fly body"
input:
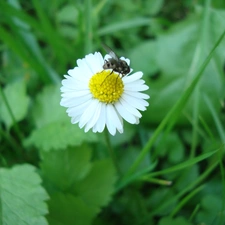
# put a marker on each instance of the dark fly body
(115, 63)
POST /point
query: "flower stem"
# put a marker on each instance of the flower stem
(111, 152)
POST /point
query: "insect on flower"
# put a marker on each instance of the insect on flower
(115, 63)
(96, 102)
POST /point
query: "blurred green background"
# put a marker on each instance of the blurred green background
(171, 166)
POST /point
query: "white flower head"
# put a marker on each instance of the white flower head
(96, 98)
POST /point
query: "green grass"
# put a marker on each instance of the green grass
(167, 170)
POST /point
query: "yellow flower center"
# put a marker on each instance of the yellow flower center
(106, 86)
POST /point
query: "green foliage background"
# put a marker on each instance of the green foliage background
(167, 170)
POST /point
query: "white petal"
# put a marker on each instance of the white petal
(72, 83)
(109, 123)
(75, 72)
(88, 113)
(78, 110)
(95, 62)
(112, 120)
(67, 83)
(125, 113)
(138, 94)
(80, 74)
(133, 77)
(117, 119)
(130, 108)
(137, 120)
(86, 70)
(70, 102)
(75, 94)
(137, 103)
(135, 87)
(95, 117)
(100, 60)
(75, 120)
(100, 125)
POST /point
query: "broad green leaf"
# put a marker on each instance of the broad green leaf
(59, 135)
(67, 209)
(18, 101)
(68, 14)
(96, 188)
(72, 166)
(47, 107)
(22, 198)
(53, 127)
(72, 178)
(212, 210)
(172, 146)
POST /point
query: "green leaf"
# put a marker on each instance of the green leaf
(72, 166)
(176, 221)
(212, 210)
(66, 209)
(172, 146)
(68, 14)
(18, 101)
(59, 135)
(76, 185)
(54, 130)
(22, 197)
(96, 188)
(47, 107)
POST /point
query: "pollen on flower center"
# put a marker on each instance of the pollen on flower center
(106, 86)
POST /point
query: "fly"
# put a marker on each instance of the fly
(115, 63)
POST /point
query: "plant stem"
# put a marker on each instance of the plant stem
(111, 152)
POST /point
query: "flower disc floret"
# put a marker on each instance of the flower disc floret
(106, 86)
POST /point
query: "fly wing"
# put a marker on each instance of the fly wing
(110, 52)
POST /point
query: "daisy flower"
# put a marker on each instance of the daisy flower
(96, 98)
